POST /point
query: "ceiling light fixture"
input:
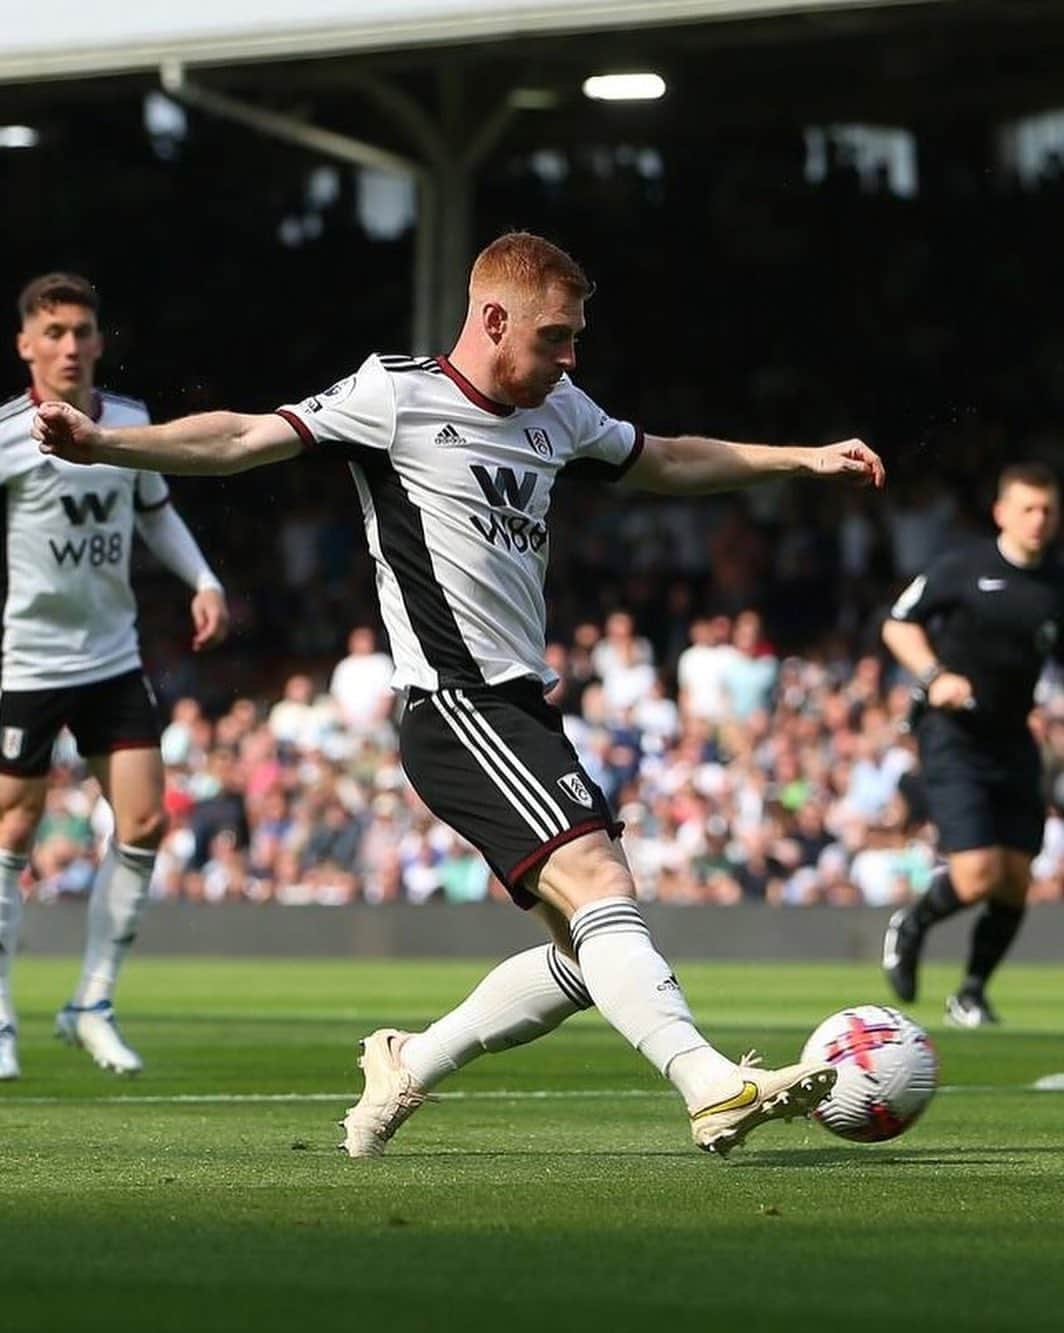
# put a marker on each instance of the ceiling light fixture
(18, 136)
(624, 87)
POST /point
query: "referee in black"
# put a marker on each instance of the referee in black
(975, 630)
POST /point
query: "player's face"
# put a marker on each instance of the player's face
(61, 345)
(538, 345)
(1028, 517)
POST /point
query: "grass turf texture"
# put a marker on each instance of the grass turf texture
(124, 1207)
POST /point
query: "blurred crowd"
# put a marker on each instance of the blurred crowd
(741, 776)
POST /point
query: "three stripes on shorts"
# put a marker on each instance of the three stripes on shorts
(517, 783)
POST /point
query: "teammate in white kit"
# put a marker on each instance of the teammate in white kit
(70, 651)
(455, 459)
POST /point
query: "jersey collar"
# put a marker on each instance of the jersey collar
(95, 412)
(471, 391)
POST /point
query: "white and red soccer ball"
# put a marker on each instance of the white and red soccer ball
(887, 1068)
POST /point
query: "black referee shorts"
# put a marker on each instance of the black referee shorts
(494, 764)
(105, 715)
(982, 794)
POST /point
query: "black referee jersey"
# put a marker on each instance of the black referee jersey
(995, 623)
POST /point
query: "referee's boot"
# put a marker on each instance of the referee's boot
(902, 943)
(970, 1009)
(390, 1097)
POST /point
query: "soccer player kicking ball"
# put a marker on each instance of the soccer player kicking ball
(454, 459)
(71, 656)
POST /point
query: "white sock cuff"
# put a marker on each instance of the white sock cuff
(13, 860)
(606, 916)
(141, 859)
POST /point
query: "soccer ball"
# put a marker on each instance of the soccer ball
(888, 1071)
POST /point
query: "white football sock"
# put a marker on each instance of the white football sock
(118, 896)
(636, 991)
(11, 867)
(523, 998)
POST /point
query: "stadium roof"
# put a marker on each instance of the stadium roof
(70, 38)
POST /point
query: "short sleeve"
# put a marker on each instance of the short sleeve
(18, 450)
(930, 594)
(357, 410)
(150, 491)
(605, 448)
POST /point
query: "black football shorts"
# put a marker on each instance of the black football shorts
(494, 764)
(982, 794)
(106, 715)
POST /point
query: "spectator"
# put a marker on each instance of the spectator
(361, 683)
(751, 673)
(702, 669)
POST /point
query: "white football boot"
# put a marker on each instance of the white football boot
(8, 1053)
(752, 1097)
(94, 1028)
(390, 1097)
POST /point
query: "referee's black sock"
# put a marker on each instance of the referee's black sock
(939, 902)
(994, 931)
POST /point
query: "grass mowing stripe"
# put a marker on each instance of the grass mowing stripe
(530, 1210)
(485, 1095)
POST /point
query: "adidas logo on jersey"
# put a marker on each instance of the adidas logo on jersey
(450, 438)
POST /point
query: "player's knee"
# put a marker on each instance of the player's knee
(18, 823)
(584, 870)
(143, 828)
(978, 874)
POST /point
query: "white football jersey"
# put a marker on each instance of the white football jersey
(455, 492)
(69, 614)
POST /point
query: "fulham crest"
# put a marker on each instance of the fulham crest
(11, 742)
(573, 786)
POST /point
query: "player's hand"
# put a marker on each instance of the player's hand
(850, 460)
(62, 430)
(951, 691)
(210, 618)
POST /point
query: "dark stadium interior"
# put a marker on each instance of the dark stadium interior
(735, 295)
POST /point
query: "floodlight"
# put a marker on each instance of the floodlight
(624, 87)
(18, 136)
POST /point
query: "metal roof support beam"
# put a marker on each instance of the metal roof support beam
(443, 176)
(343, 148)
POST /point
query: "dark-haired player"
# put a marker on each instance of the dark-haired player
(70, 651)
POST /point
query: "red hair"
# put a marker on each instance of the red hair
(530, 263)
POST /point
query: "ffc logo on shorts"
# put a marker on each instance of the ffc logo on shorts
(11, 742)
(573, 786)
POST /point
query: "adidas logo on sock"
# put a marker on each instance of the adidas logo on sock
(449, 437)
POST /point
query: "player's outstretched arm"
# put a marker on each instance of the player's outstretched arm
(208, 443)
(692, 465)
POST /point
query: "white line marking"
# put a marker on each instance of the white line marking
(496, 1095)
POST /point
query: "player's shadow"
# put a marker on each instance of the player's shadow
(531, 1154)
(748, 1159)
(872, 1155)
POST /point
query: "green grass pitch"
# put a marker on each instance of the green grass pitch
(555, 1187)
